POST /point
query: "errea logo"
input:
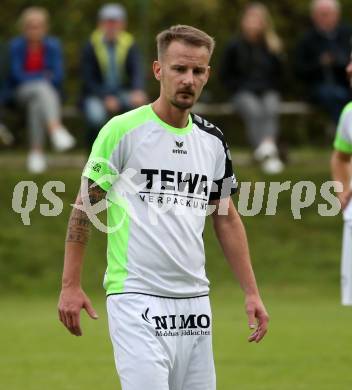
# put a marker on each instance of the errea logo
(179, 149)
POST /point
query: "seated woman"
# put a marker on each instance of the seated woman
(36, 75)
(251, 69)
(6, 137)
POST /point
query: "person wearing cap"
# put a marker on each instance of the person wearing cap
(112, 74)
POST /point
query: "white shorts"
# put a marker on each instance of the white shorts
(162, 343)
(346, 265)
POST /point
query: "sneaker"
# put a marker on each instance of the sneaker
(36, 162)
(62, 139)
(272, 165)
(5, 136)
(264, 150)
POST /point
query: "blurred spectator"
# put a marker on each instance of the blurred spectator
(341, 172)
(251, 69)
(111, 70)
(6, 138)
(322, 56)
(36, 75)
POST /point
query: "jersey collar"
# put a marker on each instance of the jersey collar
(171, 129)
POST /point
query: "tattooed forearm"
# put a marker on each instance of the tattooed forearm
(79, 225)
(96, 194)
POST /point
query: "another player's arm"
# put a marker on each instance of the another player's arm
(233, 240)
(342, 172)
(72, 297)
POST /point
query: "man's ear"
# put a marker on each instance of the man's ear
(157, 70)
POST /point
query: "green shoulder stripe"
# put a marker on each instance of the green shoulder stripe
(348, 107)
(344, 112)
(116, 272)
(99, 167)
(342, 145)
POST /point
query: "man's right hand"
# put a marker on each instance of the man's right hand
(71, 301)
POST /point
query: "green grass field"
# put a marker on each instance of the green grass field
(308, 346)
(296, 263)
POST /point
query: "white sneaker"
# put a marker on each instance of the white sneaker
(5, 136)
(264, 150)
(272, 165)
(62, 139)
(36, 162)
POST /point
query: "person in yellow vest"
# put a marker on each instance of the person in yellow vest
(111, 70)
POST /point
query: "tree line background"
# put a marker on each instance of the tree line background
(73, 20)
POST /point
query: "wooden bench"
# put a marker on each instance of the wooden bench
(298, 109)
(225, 109)
(308, 126)
(217, 109)
(71, 112)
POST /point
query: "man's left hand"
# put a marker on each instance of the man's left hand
(258, 317)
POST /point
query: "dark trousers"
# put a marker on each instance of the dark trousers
(331, 98)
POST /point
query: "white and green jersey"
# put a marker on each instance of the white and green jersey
(159, 181)
(343, 143)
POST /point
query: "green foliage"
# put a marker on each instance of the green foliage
(73, 20)
(306, 347)
(297, 267)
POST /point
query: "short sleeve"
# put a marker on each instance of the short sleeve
(100, 167)
(224, 184)
(343, 139)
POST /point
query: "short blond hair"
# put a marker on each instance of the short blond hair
(186, 34)
(31, 12)
(272, 39)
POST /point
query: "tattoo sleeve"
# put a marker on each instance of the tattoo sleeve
(79, 225)
(96, 193)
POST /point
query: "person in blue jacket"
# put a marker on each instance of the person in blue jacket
(6, 138)
(112, 75)
(36, 76)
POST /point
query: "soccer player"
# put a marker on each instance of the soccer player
(161, 170)
(341, 171)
